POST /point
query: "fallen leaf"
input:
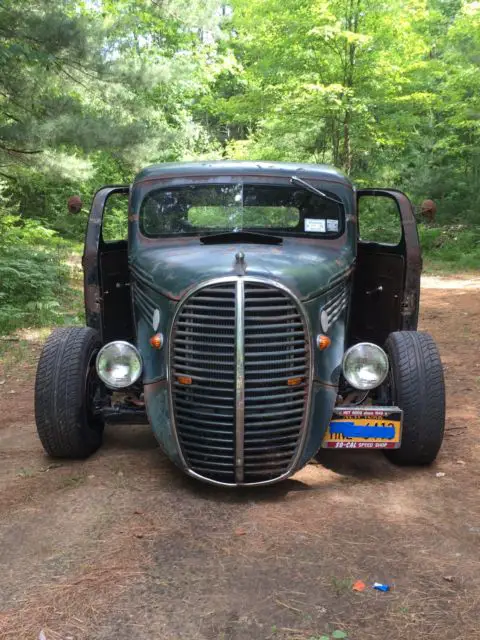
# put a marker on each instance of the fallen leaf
(461, 462)
(2, 381)
(240, 532)
(339, 634)
(359, 586)
(449, 578)
(139, 535)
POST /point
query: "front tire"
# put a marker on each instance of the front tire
(416, 385)
(64, 385)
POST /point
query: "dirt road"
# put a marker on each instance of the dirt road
(125, 546)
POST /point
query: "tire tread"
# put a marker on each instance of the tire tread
(420, 392)
(60, 411)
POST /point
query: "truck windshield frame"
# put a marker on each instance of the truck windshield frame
(200, 209)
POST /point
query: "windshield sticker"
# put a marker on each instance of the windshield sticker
(332, 225)
(317, 226)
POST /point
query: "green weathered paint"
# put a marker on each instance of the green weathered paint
(306, 267)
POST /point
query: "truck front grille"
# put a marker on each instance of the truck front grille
(240, 377)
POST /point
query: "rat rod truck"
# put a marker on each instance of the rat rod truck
(248, 320)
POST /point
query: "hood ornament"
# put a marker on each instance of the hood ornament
(240, 264)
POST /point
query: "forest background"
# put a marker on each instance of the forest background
(91, 91)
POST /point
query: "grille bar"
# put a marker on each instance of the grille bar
(240, 381)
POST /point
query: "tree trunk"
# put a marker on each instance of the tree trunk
(347, 151)
(352, 21)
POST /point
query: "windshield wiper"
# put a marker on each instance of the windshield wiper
(240, 236)
(312, 189)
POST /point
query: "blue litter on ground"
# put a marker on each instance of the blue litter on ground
(381, 587)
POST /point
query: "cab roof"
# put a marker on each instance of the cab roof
(242, 168)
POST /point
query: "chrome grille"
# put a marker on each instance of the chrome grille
(203, 344)
(239, 421)
(275, 353)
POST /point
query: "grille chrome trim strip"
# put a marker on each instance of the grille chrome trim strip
(282, 437)
(239, 380)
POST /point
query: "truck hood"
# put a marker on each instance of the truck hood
(307, 267)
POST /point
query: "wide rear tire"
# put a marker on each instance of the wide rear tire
(416, 385)
(64, 385)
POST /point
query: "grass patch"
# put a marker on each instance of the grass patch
(450, 249)
(342, 585)
(14, 351)
(26, 473)
(70, 482)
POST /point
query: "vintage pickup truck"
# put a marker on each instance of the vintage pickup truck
(249, 322)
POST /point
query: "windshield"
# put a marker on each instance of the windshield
(203, 209)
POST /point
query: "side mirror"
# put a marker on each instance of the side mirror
(74, 204)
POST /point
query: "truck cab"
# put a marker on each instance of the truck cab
(247, 320)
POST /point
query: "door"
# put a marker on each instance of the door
(108, 304)
(387, 276)
(114, 273)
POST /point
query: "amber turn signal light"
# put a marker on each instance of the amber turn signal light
(184, 379)
(157, 341)
(293, 382)
(323, 342)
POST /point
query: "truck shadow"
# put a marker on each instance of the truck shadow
(240, 495)
(329, 469)
(347, 467)
(363, 465)
(129, 437)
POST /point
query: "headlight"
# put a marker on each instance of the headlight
(365, 366)
(119, 364)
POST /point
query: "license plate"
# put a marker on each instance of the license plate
(364, 428)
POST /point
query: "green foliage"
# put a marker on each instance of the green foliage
(115, 218)
(379, 220)
(388, 92)
(113, 83)
(33, 278)
(337, 634)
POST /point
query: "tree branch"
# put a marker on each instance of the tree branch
(12, 117)
(8, 177)
(25, 151)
